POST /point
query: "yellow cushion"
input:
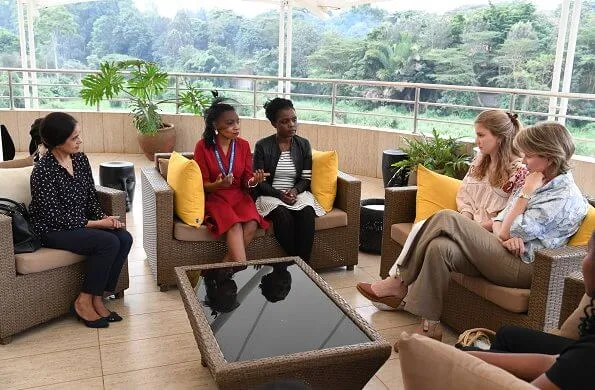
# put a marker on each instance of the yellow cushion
(582, 236)
(325, 166)
(184, 176)
(435, 192)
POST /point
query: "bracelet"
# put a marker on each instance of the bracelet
(525, 196)
(251, 186)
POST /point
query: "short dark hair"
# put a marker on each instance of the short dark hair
(272, 107)
(55, 129)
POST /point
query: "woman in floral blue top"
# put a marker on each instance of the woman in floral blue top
(544, 213)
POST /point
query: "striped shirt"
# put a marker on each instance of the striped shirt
(285, 173)
(285, 178)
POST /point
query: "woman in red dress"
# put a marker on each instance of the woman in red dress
(225, 161)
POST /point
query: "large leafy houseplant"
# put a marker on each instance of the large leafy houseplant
(142, 83)
(442, 155)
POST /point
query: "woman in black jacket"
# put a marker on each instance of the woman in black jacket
(284, 197)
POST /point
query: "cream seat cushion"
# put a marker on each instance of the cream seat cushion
(44, 259)
(334, 218)
(429, 364)
(515, 300)
(400, 231)
(183, 232)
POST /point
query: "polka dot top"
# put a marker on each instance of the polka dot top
(60, 201)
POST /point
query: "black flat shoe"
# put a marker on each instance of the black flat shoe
(113, 317)
(99, 323)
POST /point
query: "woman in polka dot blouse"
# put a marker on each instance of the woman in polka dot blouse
(66, 214)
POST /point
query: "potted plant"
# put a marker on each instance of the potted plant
(442, 155)
(142, 83)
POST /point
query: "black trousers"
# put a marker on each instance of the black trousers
(294, 230)
(515, 339)
(105, 250)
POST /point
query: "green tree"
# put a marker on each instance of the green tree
(9, 42)
(53, 24)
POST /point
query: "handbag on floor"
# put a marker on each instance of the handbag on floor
(477, 337)
(23, 238)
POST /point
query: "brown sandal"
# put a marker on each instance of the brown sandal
(392, 301)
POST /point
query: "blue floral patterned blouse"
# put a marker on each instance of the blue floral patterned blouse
(553, 215)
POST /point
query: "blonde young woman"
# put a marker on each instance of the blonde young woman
(494, 174)
(544, 213)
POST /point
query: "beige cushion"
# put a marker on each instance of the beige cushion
(183, 232)
(18, 163)
(334, 218)
(429, 364)
(15, 184)
(163, 166)
(44, 259)
(569, 328)
(400, 231)
(515, 300)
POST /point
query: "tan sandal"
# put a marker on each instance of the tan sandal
(391, 301)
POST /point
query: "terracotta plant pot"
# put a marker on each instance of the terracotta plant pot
(162, 142)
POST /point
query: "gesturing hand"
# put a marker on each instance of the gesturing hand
(259, 176)
(224, 181)
(514, 245)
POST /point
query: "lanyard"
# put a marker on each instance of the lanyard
(231, 159)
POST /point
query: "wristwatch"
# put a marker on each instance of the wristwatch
(525, 196)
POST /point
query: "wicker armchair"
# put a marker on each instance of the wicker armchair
(32, 299)
(464, 309)
(333, 247)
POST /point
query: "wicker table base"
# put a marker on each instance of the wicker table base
(347, 366)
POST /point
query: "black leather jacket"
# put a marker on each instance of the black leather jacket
(266, 157)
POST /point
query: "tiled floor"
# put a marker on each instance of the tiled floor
(153, 348)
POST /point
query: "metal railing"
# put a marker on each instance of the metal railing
(248, 89)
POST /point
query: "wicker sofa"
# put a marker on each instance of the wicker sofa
(170, 243)
(33, 298)
(474, 302)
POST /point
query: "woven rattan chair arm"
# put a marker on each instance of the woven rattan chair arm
(157, 156)
(7, 266)
(349, 192)
(113, 202)
(550, 268)
(399, 205)
(158, 200)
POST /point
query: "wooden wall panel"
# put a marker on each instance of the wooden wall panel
(92, 132)
(250, 131)
(113, 131)
(130, 135)
(309, 131)
(25, 119)
(360, 150)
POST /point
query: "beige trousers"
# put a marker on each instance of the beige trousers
(450, 242)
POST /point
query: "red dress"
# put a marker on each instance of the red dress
(233, 204)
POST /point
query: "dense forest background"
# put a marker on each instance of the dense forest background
(509, 45)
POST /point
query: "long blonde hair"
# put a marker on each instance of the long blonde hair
(505, 126)
(550, 140)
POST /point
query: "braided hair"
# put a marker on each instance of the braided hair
(272, 107)
(217, 107)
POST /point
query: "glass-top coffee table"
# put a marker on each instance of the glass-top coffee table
(276, 322)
